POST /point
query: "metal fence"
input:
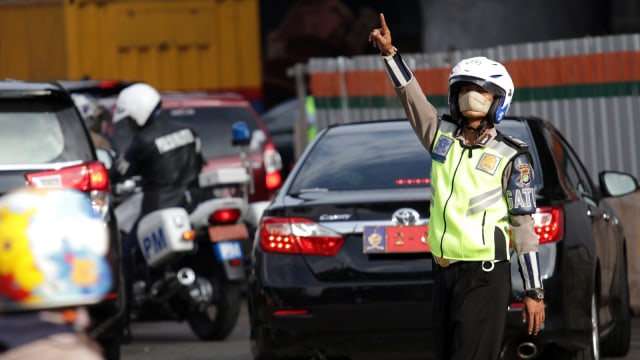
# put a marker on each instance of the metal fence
(588, 87)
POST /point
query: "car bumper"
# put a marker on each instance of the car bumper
(390, 319)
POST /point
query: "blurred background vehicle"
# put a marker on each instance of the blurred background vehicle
(212, 116)
(45, 143)
(341, 267)
(281, 121)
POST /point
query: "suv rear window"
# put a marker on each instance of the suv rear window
(39, 133)
(213, 125)
(345, 158)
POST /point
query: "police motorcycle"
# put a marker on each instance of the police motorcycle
(189, 266)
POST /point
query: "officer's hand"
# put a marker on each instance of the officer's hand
(533, 315)
(381, 37)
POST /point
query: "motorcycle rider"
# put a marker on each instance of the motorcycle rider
(165, 155)
(53, 263)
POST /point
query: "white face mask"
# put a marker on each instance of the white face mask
(474, 101)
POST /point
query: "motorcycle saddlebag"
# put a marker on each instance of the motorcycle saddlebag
(160, 235)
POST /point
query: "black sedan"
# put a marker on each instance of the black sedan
(341, 268)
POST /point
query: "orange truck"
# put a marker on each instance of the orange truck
(171, 44)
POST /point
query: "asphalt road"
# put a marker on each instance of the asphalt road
(174, 341)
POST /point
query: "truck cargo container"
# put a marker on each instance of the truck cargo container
(171, 44)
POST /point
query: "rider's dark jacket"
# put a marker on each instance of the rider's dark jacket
(168, 159)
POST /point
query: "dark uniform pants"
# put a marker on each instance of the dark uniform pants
(470, 310)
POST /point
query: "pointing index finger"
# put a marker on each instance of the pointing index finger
(383, 24)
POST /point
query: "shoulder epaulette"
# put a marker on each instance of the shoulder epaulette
(515, 141)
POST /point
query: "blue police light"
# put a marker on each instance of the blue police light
(240, 133)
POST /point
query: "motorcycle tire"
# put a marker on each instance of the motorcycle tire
(227, 310)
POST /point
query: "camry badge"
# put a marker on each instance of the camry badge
(405, 216)
(335, 217)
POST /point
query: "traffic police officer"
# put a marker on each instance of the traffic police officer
(478, 177)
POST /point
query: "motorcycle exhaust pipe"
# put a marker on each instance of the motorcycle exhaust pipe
(527, 350)
(186, 276)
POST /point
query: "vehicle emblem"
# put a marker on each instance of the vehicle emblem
(405, 216)
(335, 217)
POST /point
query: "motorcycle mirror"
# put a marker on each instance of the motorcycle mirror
(240, 134)
(106, 156)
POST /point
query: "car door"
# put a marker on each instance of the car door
(580, 182)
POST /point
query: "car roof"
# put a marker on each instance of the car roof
(384, 122)
(98, 88)
(202, 99)
(12, 87)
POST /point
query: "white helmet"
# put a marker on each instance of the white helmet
(489, 74)
(87, 108)
(137, 101)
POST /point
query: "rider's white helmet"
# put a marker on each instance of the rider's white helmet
(137, 101)
(489, 74)
(87, 107)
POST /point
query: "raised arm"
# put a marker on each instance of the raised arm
(421, 113)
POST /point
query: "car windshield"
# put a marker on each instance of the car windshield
(212, 124)
(35, 133)
(385, 156)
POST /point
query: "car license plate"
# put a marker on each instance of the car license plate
(395, 239)
(228, 232)
(228, 250)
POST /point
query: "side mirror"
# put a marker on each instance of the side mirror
(240, 134)
(615, 183)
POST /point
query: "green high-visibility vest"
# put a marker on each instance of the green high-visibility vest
(469, 213)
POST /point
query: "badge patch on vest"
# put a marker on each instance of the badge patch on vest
(441, 149)
(488, 163)
(525, 173)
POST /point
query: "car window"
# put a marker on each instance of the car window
(213, 125)
(386, 158)
(38, 133)
(281, 118)
(573, 168)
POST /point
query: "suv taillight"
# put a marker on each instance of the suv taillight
(298, 236)
(86, 177)
(548, 224)
(272, 167)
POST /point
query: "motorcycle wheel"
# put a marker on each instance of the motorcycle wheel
(216, 320)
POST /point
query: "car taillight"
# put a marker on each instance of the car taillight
(298, 236)
(548, 224)
(85, 177)
(272, 167)
(224, 216)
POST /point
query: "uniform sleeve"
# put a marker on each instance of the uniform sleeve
(126, 164)
(520, 194)
(421, 113)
